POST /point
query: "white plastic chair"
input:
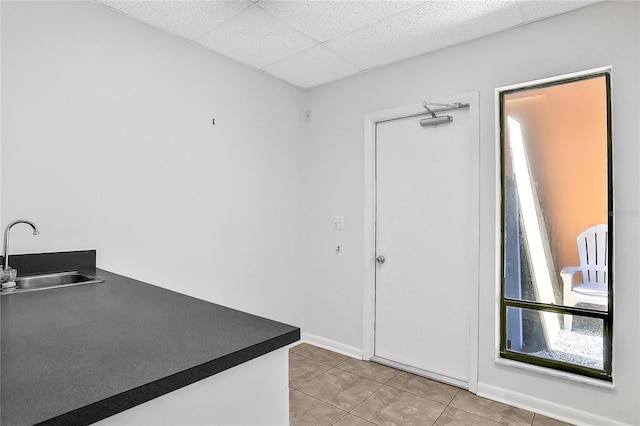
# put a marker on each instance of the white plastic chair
(593, 251)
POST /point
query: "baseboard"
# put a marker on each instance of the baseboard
(331, 345)
(544, 407)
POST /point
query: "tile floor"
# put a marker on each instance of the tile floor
(327, 388)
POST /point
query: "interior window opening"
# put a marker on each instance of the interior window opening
(556, 283)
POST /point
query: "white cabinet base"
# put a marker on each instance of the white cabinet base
(253, 393)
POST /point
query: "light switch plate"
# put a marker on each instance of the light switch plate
(338, 223)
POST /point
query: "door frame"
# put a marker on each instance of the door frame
(369, 219)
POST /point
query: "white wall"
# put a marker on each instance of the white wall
(108, 143)
(599, 35)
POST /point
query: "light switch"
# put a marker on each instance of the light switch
(338, 223)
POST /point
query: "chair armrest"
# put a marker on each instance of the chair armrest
(567, 274)
(570, 269)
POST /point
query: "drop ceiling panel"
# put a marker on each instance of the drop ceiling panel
(189, 19)
(325, 20)
(255, 38)
(307, 42)
(312, 67)
(429, 27)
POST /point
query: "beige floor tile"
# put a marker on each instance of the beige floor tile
(390, 406)
(307, 349)
(303, 369)
(455, 417)
(298, 347)
(306, 411)
(340, 388)
(371, 370)
(492, 410)
(540, 420)
(424, 387)
(324, 356)
(350, 420)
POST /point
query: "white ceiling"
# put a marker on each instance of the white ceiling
(308, 43)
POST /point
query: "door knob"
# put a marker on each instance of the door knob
(380, 259)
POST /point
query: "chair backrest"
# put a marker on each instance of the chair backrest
(594, 251)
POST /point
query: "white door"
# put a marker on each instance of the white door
(425, 230)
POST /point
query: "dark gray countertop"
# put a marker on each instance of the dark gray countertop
(79, 354)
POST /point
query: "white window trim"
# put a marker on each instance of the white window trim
(498, 242)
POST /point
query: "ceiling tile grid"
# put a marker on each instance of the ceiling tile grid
(255, 38)
(188, 19)
(312, 42)
(326, 20)
(312, 67)
(430, 27)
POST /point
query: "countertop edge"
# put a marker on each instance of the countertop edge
(123, 401)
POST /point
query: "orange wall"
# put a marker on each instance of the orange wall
(565, 131)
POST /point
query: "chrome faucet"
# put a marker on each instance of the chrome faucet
(7, 272)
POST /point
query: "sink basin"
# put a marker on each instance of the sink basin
(49, 281)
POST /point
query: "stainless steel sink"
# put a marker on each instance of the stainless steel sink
(50, 281)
